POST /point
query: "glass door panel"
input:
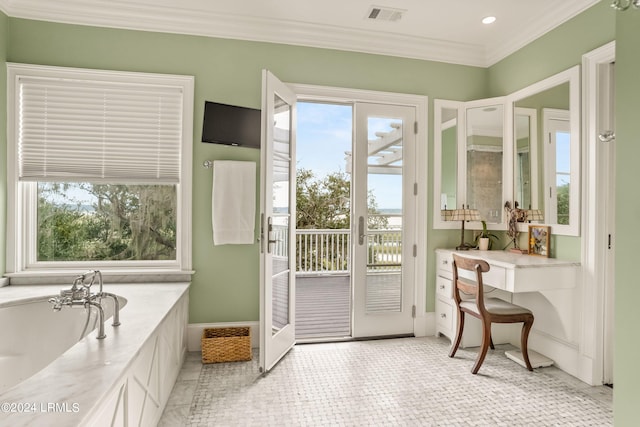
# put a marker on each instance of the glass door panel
(383, 263)
(384, 215)
(277, 206)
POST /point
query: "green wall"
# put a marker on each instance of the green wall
(626, 395)
(225, 286)
(556, 51)
(4, 29)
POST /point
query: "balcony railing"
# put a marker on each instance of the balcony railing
(329, 251)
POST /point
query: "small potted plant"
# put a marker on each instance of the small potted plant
(484, 240)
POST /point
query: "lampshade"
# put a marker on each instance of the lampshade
(462, 215)
(465, 215)
(534, 215)
(445, 214)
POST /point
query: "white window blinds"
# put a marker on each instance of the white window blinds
(93, 131)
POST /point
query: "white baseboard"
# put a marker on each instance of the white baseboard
(425, 325)
(565, 355)
(194, 332)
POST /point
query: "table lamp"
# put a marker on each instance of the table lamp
(463, 215)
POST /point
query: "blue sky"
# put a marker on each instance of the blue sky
(324, 133)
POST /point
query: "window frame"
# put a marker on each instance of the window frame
(22, 221)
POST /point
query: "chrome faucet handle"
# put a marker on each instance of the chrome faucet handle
(58, 302)
(90, 274)
(57, 305)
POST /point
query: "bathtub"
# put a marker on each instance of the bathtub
(32, 334)
(53, 375)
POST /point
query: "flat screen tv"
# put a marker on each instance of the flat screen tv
(231, 125)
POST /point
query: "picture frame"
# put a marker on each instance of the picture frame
(539, 240)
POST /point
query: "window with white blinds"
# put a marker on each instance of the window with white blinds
(99, 170)
(92, 130)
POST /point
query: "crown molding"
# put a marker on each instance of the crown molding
(552, 18)
(131, 16)
(136, 17)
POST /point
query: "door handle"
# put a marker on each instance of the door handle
(269, 231)
(607, 136)
(361, 230)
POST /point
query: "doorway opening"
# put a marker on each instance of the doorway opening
(349, 219)
(323, 212)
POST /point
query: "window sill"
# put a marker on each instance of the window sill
(111, 275)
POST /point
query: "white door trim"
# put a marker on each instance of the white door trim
(594, 224)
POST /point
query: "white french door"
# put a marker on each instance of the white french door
(277, 222)
(383, 220)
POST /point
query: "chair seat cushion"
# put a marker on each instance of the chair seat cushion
(495, 306)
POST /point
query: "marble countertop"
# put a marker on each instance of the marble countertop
(86, 372)
(511, 260)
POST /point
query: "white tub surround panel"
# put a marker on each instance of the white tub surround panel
(124, 379)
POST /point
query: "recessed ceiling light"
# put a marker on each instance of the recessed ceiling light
(488, 19)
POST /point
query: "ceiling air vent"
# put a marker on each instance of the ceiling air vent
(378, 13)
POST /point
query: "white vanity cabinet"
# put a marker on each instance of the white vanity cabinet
(509, 274)
(446, 316)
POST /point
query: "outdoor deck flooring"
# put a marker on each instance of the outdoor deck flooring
(323, 303)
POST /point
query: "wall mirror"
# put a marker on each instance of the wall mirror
(546, 126)
(525, 166)
(469, 150)
(522, 149)
(484, 158)
(447, 122)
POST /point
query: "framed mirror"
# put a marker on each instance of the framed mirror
(484, 159)
(546, 117)
(525, 166)
(447, 135)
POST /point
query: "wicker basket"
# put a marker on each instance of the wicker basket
(226, 344)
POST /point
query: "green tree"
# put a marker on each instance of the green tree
(325, 204)
(125, 222)
(322, 204)
(563, 204)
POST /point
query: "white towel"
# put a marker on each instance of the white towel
(233, 202)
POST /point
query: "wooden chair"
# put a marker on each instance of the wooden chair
(488, 310)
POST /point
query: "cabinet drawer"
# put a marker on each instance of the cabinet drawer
(496, 277)
(443, 287)
(444, 317)
(443, 264)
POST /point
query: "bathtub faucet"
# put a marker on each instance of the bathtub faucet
(101, 294)
(80, 295)
(91, 274)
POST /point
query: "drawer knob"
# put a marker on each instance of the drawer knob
(443, 315)
(445, 262)
(441, 286)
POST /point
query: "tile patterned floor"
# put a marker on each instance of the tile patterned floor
(399, 382)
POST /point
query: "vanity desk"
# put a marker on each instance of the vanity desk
(510, 273)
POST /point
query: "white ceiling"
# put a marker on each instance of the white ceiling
(440, 30)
